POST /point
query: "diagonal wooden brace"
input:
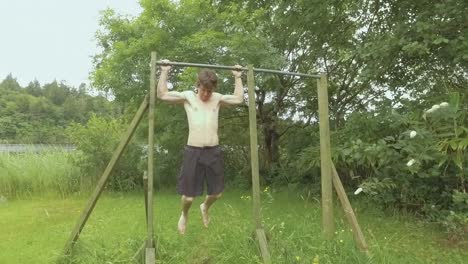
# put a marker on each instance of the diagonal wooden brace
(105, 176)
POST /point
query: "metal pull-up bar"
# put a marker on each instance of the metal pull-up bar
(224, 67)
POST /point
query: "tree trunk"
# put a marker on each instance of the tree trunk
(271, 143)
(268, 124)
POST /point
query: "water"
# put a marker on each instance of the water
(22, 148)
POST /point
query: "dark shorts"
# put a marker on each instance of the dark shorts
(201, 164)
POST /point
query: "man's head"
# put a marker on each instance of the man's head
(206, 84)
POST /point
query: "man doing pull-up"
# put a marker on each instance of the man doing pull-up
(202, 159)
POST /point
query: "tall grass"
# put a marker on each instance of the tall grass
(26, 174)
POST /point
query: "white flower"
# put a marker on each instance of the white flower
(410, 163)
(433, 108)
(413, 134)
(358, 191)
(444, 104)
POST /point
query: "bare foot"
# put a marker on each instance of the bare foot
(204, 213)
(182, 223)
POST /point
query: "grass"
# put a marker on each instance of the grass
(34, 230)
(29, 174)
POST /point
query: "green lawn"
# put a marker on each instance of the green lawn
(35, 231)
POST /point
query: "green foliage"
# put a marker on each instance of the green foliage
(417, 170)
(369, 50)
(449, 122)
(414, 161)
(36, 114)
(96, 142)
(456, 220)
(404, 49)
(401, 171)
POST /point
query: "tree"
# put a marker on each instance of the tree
(55, 92)
(362, 45)
(34, 88)
(417, 48)
(10, 83)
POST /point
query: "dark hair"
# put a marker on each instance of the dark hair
(208, 79)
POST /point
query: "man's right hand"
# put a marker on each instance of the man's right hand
(165, 68)
(237, 72)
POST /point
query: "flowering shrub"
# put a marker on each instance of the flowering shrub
(411, 161)
(420, 168)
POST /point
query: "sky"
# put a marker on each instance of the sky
(52, 40)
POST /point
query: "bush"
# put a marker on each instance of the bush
(418, 168)
(414, 161)
(96, 142)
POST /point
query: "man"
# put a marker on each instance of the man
(202, 159)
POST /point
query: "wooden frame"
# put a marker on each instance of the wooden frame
(329, 175)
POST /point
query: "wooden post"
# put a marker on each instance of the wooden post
(260, 233)
(105, 176)
(349, 213)
(263, 244)
(254, 149)
(139, 256)
(145, 191)
(325, 158)
(150, 250)
(150, 256)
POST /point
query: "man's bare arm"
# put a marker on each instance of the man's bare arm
(163, 93)
(238, 96)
